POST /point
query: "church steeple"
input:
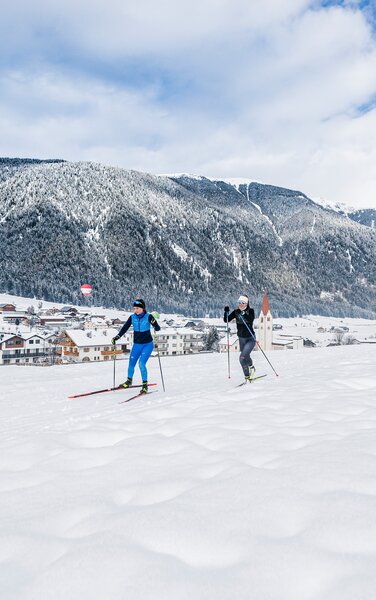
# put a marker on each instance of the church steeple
(265, 325)
(265, 307)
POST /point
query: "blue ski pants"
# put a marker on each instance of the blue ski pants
(246, 347)
(140, 353)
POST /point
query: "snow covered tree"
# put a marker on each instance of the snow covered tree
(211, 340)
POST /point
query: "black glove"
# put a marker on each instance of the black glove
(115, 339)
(227, 308)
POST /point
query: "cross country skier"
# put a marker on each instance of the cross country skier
(142, 342)
(247, 340)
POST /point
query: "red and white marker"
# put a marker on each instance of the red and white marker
(86, 289)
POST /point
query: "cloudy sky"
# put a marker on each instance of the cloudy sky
(280, 91)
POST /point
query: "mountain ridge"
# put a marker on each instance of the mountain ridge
(187, 244)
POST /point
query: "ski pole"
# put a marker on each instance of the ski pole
(159, 360)
(156, 316)
(259, 346)
(114, 348)
(228, 348)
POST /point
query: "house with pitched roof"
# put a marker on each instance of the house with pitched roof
(7, 307)
(232, 344)
(78, 345)
(24, 349)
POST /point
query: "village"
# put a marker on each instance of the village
(64, 335)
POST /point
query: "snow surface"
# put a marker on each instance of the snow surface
(206, 492)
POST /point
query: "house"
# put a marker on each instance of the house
(179, 341)
(52, 311)
(11, 349)
(7, 307)
(95, 323)
(25, 349)
(78, 345)
(288, 342)
(53, 322)
(117, 323)
(170, 322)
(195, 323)
(221, 328)
(14, 316)
(69, 310)
(36, 347)
(233, 344)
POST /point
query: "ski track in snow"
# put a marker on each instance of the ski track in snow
(206, 492)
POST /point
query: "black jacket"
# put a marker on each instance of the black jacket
(248, 315)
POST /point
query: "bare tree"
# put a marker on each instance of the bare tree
(338, 337)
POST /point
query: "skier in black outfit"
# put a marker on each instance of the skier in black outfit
(247, 340)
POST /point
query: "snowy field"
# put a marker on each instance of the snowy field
(206, 492)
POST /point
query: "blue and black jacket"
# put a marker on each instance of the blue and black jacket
(141, 326)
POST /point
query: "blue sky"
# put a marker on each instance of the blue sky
(279, 92)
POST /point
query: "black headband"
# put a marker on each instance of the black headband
(139, 303)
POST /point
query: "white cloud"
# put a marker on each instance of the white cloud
(135, 27)
(267, 90)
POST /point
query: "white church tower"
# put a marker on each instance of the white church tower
(265, 325)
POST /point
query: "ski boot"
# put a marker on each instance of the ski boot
(126, 383)
(248, 378)
(144, 387)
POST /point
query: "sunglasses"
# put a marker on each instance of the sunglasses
(242, 303)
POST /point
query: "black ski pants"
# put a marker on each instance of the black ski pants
(246, 346)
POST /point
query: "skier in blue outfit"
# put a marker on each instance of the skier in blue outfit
(142, 342)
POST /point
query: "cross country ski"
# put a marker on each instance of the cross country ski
(112, 389)
(139, 395)
(251, 380)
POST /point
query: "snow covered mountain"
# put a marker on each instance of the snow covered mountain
(365, 216)
(186, 243)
